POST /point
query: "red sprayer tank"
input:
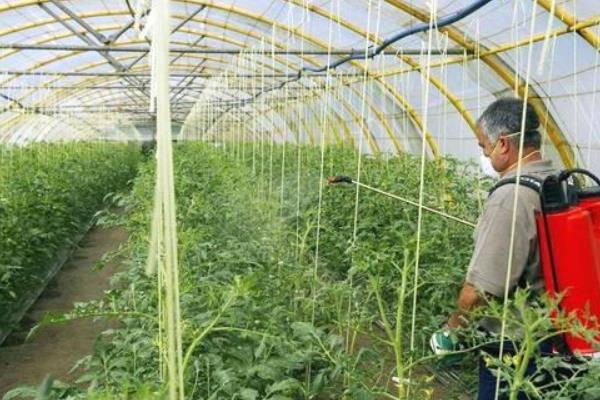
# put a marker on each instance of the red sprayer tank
(569, 241)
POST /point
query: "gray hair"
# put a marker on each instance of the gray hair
(504, 116)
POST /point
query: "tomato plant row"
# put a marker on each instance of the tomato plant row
(280, 292)
(47, 194)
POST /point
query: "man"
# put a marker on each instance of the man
(499, 134)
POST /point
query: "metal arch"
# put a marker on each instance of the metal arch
(20, 116)
(315, 117)
(501, 48)
(350, 110)
(85, 94)
(105, 13)
(73, 96)
(415, 118)
(72, 93)
(561, 149)
(507, 74)
(403, 102)
(287, 125)
(354, 115)
(276, 129)
(227, 27)
(444, 90)
(67, 35)
(96, 64)
(571, 21)
(334, 113)
(386, 124)
(216, 37)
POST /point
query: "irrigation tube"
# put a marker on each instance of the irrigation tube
(422, 27)
(345, 179)
(372, 52)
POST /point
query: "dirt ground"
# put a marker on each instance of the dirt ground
(55, 349)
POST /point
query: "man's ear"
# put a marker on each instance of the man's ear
(504, 145)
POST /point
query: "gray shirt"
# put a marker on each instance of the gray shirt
(489, 264)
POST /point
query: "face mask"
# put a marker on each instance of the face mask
(487, 168)
(486, 162)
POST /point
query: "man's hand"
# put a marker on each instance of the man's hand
(468, 299)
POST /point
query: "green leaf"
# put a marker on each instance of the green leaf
(248, 394)
(287, 385)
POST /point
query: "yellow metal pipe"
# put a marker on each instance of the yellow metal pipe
(484, 52)
(507, 74)
(438, 84)
(561, 13)
(221, 37)
(398, 98)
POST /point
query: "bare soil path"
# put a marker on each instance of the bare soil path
(55, 349)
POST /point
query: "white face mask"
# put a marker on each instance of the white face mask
(486, 162)
(487, 168)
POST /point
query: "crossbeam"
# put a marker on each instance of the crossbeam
(198, 50)
(174, 74)
(90, 42)
(128, 87)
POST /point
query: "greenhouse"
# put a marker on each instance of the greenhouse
(299, 199)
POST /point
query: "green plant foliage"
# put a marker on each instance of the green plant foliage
(266, 315)
(284, 296)
(48, 193)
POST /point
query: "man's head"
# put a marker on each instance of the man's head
(499, 129)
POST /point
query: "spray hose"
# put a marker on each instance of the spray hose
(332, 180)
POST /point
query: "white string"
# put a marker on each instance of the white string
(542, 62)
(515, 199)
(575, 35)
(594, 115)
(166, 199)
(432, 18)
(320, 198)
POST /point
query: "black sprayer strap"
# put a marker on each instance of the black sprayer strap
(528, 181)
(532, 182)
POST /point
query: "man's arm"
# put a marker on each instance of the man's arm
(468, 299)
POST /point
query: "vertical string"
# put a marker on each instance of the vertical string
(362, 129)
(432, 18)
(320, 195)
(159, 52)
(594, 115)
(575, 35)
(516, 196)
(272, 114)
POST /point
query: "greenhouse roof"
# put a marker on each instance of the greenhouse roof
(80, 69)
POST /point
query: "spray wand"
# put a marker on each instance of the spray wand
(332, 180)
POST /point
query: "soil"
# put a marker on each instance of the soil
(55, 349)
(433, 387)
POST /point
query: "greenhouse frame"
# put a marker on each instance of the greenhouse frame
(281, 199)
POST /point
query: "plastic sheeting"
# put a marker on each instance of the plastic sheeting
(564, 74)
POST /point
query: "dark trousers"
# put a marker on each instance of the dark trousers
(487, 380)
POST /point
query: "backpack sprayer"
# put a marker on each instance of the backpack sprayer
(568, 226)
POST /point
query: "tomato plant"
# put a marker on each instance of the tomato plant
(48, 193)
(290, 288)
